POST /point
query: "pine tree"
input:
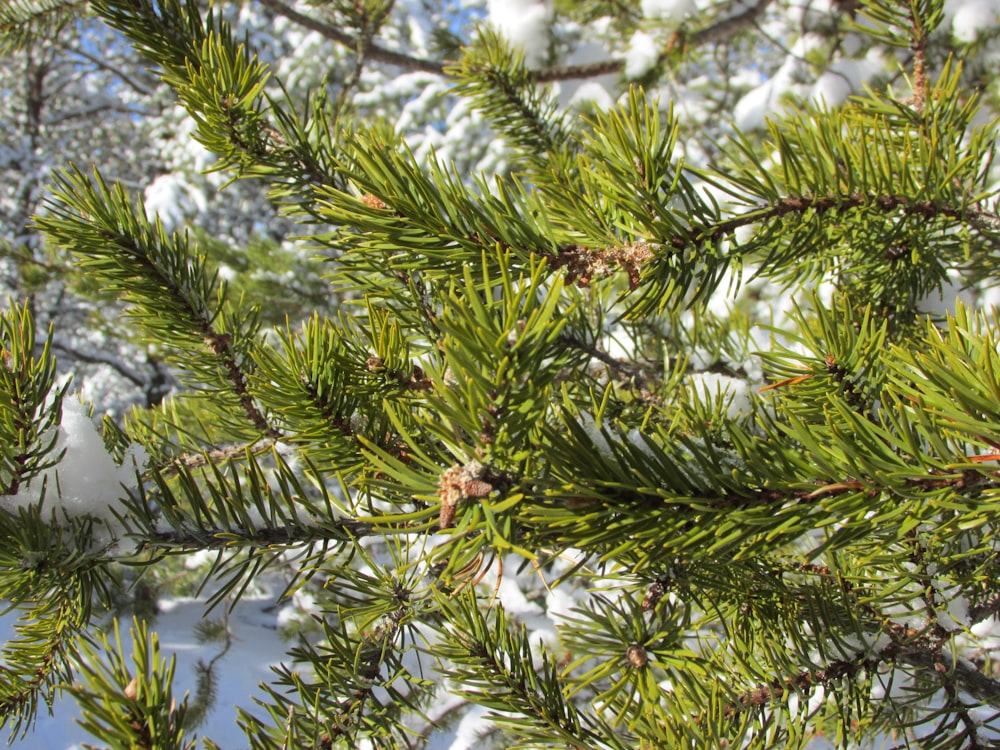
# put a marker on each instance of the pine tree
(776, 526)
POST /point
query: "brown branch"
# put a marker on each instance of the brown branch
(100, 359)
(719, 31)
(962, 671)
(371, 50)
(922, 651)
(221, 345)
(984, 611)
(211, 538)
(978, 218)
(968, 479)
(620, 368)
(215, 456)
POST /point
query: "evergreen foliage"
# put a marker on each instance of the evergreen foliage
(799, 546)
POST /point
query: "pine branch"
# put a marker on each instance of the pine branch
(208, 538)
(180, 304)
(491, 660)
(24, 21)
(222, 85)
(131, 707)
(38, 658)
(982, 219)
(215, 456)
(30, 404)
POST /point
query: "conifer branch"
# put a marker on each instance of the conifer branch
(153, 272)
(340, 530)
(39, 657)
(215, 456)
(220, 344)
(979, 218)
(22, 21)
(462, 412)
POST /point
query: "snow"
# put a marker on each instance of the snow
(714, 387)
(671, 11)
(956, 614)
(845, 77)
(972, 18)
(943, 302)
(419, 24)
(559, 605)
(643, 52)
(85, 482)
(594, 432)
(173, 200)
(471, 729)
(753, 109)
(591, 95)
(576, 93)
(525, 23)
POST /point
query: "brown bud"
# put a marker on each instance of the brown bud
(653, 596)
(459, 483)
(373, 201)
(636, 656)
(477, 488)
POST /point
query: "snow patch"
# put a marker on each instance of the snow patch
(525, 23)
(642, 55)
(591, 95)
(973, 18)
(671, 11)
(86, 482)
(173, 200)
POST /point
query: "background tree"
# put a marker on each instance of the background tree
(710, 402)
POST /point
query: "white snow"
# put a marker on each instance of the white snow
(713, 387)
(85, 482)
(590, 95)
(753, 109)
(173, 200)
(943, 302)
(956, 615)
(642, 54)
(471, 729)
(845, 77)
(525, 23)
(559, 605)
(671, 11)
(972, 18)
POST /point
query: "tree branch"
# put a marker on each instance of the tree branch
(979, 219)
(104, 65)
(370, 49)
(98, 359)
(209, 538)
(716, 32)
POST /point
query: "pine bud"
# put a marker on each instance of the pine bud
(459, 483)
(636, 656)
